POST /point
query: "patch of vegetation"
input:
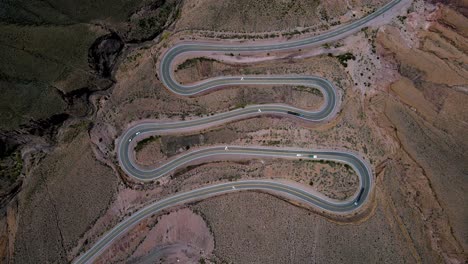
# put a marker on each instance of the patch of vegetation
(23, 101)
(242, 16)
(308, 89)
(36, 60)
(142, 143)
(45, 44)
(74, 130)
(192, 62)
(152, 22)
(365, 29)
(65, 12)
(241, 105)
(165, 35)
(332, 164)
(134, 57)
(348, 167)
(343, 58)
(10, 169)
(290, 34)
(45, 54)
(324, 14)
(234, 177)
(402, 19)
(273, 142)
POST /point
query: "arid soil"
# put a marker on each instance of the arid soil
(403, 98)
(179, 236)
(263, 229)
(68, 181)
(428, 113)
(268, 16)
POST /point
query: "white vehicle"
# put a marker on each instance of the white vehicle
(138, 133)
(314, 156)
(298, 155)
(130, 140)
(259, 110)
(242, 78)
(233, 187)
(226, 148)
(359, 197)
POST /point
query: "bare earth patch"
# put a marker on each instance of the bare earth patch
(264, 229)
(179, 236)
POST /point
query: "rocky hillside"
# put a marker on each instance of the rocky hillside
(55, 55)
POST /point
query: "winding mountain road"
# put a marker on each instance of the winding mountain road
(287, 189)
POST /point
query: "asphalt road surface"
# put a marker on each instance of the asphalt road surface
(283, 188)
